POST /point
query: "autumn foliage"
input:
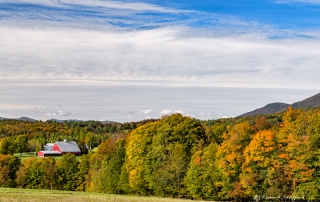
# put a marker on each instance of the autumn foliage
(225, 159)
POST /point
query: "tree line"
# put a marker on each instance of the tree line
(23, 136)
(237, 158)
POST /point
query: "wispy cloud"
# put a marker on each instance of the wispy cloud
(131, 15)
(110, 4)
(88, 13)
(166, 111)
(82, 54)
(56, 114)
(77, 56)
(147, 111)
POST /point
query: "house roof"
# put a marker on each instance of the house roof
(68, 146)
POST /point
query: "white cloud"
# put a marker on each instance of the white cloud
(50, 114)
(147, 111)
(61, 113)
(102, 74)
(219, 116)
(54, 114)
(178, 111)
(166, 112)
(110, 4)
(56, 56)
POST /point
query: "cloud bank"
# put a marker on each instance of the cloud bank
(124, 61)
(161, 56)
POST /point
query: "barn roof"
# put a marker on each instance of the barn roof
(68, 146)
(50, 152)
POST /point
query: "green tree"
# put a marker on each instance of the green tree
(178, 166)
(138, 162)
(218, 129)
(203, 178)
(9, 165)
(67, 171)
(169, 175)
(230, 159)
(6, 146)
(90, 140)
(151, 154)
(123, 183)
(21, 143)
(50, 172)
(84, 167)
(111, 169)
(105, 151)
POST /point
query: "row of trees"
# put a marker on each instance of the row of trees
(44, 173)
(275, 155)
(24, 136)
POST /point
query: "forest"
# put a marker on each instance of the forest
(273, 155)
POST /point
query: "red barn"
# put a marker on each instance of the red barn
(61, 147)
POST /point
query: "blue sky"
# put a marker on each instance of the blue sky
(130, 60)
(293, 15)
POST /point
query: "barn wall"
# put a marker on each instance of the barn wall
(55, 147)
(40, 154)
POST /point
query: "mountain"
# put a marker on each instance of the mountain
(26, 119)
(61, 121)
(76, 120)
(56, 120)
(19, 119)
(310, 102)
(268, 109)
(104, 122)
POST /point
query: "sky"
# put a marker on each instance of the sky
(131, 60)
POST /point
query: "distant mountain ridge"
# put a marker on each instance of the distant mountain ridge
(19, 119)
(310, 102)
(268, 109)
(56, 120)
(76, 120)
(26, 119)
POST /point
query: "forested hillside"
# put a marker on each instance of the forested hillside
(311, 102)
(268, 109)
(236, 158)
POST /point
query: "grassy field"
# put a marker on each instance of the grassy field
(33, 195)
(24, 156)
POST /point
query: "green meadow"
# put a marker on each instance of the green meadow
(34, 195)
(24, 156)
